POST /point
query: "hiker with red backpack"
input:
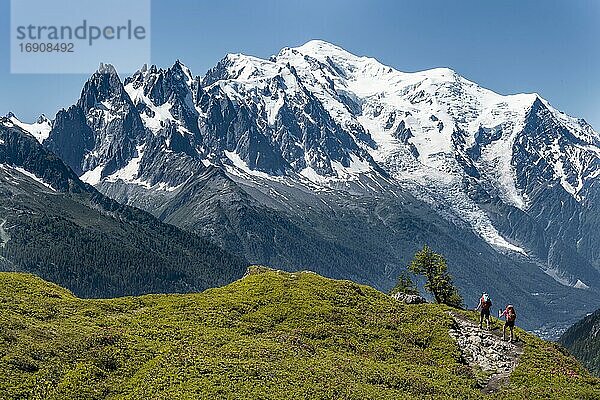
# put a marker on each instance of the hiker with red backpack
(485, 305)
(510, 315)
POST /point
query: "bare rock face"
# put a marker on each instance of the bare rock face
(409, 298)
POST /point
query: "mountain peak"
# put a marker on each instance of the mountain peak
(240, 67)
(106, 69)
(141, 73)
(320, 49)
(39, 129)
(442, 73)
(180, 68)
(537, 103)
(104, 84)
(42, 119)
(321, 46)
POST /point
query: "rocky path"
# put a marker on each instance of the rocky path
(487, 351)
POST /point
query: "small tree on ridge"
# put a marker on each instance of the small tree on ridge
(405, 285)
(439, 283)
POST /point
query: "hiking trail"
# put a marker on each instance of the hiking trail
(487, 351)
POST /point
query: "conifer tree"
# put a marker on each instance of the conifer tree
(405, 284)
(439, 283)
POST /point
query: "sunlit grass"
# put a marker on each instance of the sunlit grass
(270, 335)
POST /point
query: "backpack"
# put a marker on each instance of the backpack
(486, 303)
(511, 315)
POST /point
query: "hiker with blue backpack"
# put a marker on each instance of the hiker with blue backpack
(485, 305)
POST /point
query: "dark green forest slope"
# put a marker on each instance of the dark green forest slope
(583, 341)
(62, 229)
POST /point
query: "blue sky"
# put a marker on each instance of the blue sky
(549, 47)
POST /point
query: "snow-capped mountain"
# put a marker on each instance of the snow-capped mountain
(97, 136)
(317, 145)
(40, 129)
(442, 136)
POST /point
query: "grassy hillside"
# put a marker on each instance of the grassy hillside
(270, 335)
(583, 340)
